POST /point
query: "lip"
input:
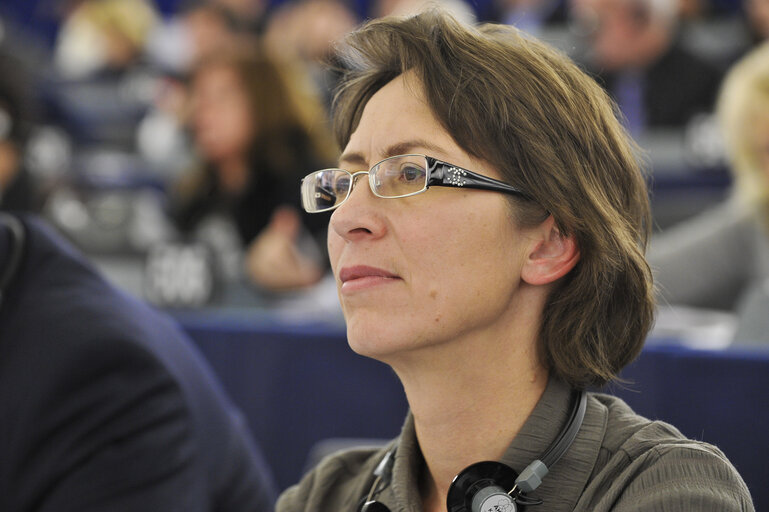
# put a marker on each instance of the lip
(360, 277)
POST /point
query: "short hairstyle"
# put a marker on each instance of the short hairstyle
(744, 100)
(550, 130)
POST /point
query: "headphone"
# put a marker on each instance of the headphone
(490, 485)
(18, 238)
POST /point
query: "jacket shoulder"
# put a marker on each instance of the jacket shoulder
(650, 465)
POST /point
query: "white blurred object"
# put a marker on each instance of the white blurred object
(80, 49)
(67, 210)
(704, 141)
(49, 153)
(162, 142)
(179, 275)
(149, 224)
(171, 46)
(695, 328)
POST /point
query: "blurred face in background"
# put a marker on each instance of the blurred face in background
(222, 116)
(207, 30)
(249, 9)
(616, 32)
(758, 16)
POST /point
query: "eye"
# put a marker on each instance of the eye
(342, 182)
(410, 173)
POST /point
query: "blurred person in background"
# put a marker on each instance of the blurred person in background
(528, 15)
(104, 36)
(635, 52)
(247, 15)
(720, 259)
(306, 31)
(458, 8)
(195, 32)
(200, 28)
(105, 405)
(101, 83)
(757, 16)
(257, 130)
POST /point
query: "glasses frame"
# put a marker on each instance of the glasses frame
(439, 174)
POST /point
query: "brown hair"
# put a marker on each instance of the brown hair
(550, 130)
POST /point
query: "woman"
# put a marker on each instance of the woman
(513, 282)
(256, 135)
(720, 258)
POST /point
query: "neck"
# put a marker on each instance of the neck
(473, 396)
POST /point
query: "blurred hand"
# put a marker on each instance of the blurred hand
(9, 164)
(274, 260)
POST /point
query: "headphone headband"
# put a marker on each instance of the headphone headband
(491, 480)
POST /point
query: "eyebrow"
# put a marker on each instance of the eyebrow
(400, 148)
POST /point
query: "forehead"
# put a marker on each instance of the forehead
(396, 120)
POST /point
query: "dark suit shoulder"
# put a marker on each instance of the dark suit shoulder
(97, 422)
(107, 395)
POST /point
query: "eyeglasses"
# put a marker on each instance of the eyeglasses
(394, 177)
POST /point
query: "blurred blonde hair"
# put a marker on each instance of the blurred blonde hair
(744, 99)
(132, 19)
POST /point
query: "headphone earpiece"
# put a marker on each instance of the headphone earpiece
(482, 486)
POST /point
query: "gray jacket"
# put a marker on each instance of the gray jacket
(619, 461)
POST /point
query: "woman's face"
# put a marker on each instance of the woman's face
(758, 16)
(222, 114)
(425, 270)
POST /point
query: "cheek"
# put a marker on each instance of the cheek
(462, 269)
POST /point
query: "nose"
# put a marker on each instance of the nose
(360, 216)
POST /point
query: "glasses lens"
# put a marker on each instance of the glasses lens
(323, 190)
(400, 176)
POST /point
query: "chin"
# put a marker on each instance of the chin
(387, 340)
(369, 343)
(376, 340)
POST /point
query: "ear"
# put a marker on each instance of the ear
(552, 255)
